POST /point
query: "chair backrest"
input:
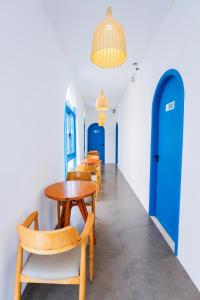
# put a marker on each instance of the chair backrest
(51, 242)
(94, 152)
(92, 156)
(83, 175)
(87, 168)
(48, 242)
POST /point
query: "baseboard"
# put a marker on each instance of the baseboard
(164, 233)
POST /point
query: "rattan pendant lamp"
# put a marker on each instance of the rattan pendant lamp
(109, 43)
(101, 123)
(102, 102)
(101, 118)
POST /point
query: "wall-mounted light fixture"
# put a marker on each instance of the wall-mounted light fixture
(135, 71)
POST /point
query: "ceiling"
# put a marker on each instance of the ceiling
(74, 22)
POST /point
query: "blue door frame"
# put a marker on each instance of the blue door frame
(68, 111)
(84, 132)
(154, 141)
(116, 144)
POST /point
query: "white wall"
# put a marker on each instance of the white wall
(34, 78)
(110, 127)
(176, 46)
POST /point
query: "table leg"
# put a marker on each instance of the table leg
(58, 216)
(84, 213)
(83, 209)
(62, 218)
(67, 213)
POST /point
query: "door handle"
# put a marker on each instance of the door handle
(156, 157)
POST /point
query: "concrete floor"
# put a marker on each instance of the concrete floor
(132, 260)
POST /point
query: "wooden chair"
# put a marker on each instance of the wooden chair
(83, 175)
(93, 170)
(92, 156)
(97, 163)
(93, 152)
(68, 266)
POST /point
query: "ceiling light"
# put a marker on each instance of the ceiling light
(102, 116)
(102, 102)
(101, 122)
(109, 43)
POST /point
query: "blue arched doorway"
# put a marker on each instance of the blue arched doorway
(96, 139)
(166, 152)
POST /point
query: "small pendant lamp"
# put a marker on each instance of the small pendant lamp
(109, 43)
(102, 116)
(102, 102)
(101, 123)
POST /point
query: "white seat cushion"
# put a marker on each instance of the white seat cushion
(51, 267)
(94, 177)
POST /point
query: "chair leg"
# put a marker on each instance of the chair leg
(17, 291)
(17, 295)
(82, 287)
(97, 191)
(91, 254)
(93, 205)
(98, 186)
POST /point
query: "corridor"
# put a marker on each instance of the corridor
(132, 260)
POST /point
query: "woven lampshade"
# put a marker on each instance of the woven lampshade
(101, 122)
(109, 43)
(102, 102)
(102, 116)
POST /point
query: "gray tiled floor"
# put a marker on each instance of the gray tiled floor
(132, 260)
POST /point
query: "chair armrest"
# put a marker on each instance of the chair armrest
(30, 219)
(88, 227)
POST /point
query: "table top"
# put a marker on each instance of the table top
(70, 190)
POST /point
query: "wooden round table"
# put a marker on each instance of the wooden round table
(69, 194)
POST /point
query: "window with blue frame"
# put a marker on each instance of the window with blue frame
(70, 134)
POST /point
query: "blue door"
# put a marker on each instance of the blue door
(167, 152)
(96, 139)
